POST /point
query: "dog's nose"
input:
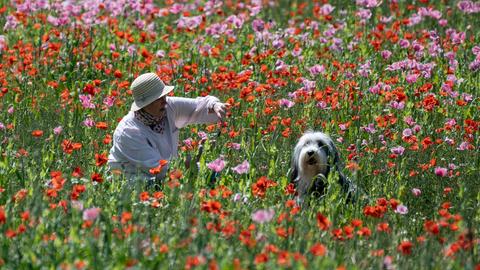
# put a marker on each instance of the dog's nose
(309, 153)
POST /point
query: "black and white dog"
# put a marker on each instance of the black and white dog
(314, 157)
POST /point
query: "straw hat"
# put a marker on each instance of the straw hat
(147, 88)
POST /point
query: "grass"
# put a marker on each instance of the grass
(46, 67)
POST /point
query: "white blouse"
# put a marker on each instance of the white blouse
(136, 148)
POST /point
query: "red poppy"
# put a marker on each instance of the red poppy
(382, 202)
(158, 169)
(247, 239)
(318, 250)
(383, 227)
(226, 193)
(21, 229)
(25, 216)
(377, 253)
(376, 211)
(176, 174)
(163, 248)
(286, 132)
(51, 192)
(426, 142)
(286, 122)
(22, 153)
(283, 258)
(211, 206)
(446, 205)
(37, 133)
(338, 234)
(322, 222)
(118, 74)
(348, 230)
(77, 172)
(101, 125)
(126, 217)
(261, 258)
(57, 180)
(96, 177)
(69, 146)
(271, 248)
(405, 247)
(144, 196)
(431, 227)
(131, 262)
(290, 189)
(158, 195)
(76, 191)
(100, 159)
(394, 203)
(155, 204)
(229, 229)
(9, 233)
(90, 89)
(3, 216)
(356, 223)
(20, 195)
(290, 203)
(282, 232)
(260, 187)
(364, 231)
(430, 102)
(421, 239)
(107, 139)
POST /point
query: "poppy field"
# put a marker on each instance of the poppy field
(394, 83)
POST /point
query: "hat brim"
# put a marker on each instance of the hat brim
(167, 89)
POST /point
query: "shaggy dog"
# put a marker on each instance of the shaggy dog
(314, 157)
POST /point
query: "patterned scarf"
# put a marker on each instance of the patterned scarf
(156, 123)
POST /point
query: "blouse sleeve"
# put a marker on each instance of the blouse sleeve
(138, 150)
(193, 111)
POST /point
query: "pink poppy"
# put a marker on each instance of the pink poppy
(91, 213)
(242, 168)
(217, 165)
(439, 171)
(263, 216)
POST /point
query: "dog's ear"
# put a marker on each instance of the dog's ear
(294, 172)
(343, 181)
(294, 163)
(347, 185)
(337, 164)
(333, 149)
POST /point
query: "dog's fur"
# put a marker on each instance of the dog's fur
(314, 157)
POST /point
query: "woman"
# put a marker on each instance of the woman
(149, 132)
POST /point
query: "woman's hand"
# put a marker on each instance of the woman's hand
(220, 109)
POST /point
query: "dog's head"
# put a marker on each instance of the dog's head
(315, 154)
(312, 154)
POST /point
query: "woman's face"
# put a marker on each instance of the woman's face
(157, 108)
